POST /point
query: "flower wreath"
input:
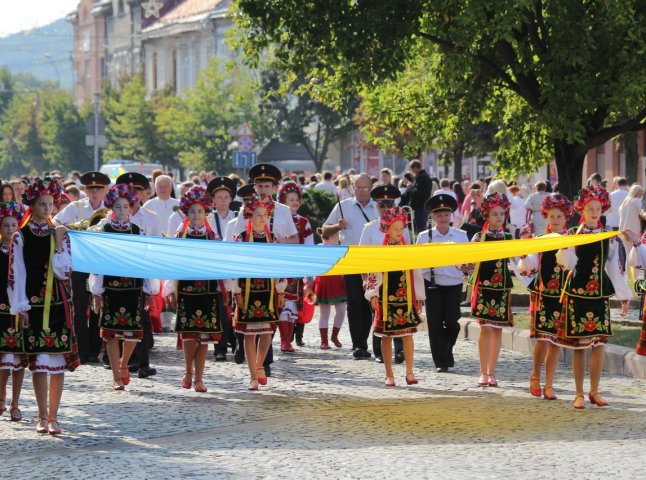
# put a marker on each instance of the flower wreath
(121, 190)
(495, 200)
(559, 201)
(43, 186)
(196, 194)
(289, 187)
(590, 193)
(255, 201)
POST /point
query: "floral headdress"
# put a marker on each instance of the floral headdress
(392, 215)
(495, 200)
(196, 194)
(255, 201)
(43, 186)
(12, 209)
(289, 187)
(590, 193)
(560, 201)
(121, 190)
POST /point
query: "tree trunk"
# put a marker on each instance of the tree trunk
(458, 155)
(630, 151)
(569, 166)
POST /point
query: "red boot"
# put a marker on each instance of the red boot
(335, 337)
(286, 329)
(324, 344)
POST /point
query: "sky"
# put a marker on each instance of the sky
(27, 14)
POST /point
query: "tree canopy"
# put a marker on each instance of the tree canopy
(556, 77)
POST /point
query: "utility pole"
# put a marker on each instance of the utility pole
(96, 131)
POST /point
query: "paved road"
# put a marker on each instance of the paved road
(324, 415)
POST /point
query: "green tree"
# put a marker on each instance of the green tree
(558, 78)
(20, 148)
(295, 116)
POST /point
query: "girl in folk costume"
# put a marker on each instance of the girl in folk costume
(397, 298)
(40, 265)
(119, 300)
(290, 194)
(330, 290)
(595, 276)
(637, 259)
(492, 284)
(258, 300)
(545, 290)
(197, 301)
(12, 360)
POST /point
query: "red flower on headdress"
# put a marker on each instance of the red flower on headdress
(256, 201)
(560, 201)
(43, 186)
(590, 193)
(289, 187)
(12, 209)
(495, 200)
(392, 215)
(196, 194)
(121, 190)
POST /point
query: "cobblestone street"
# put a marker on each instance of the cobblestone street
(324, 415)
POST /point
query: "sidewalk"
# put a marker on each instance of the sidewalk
(324, 415)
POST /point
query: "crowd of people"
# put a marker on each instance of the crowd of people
(53, 319)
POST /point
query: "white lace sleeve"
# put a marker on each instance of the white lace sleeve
(16, 288)
(567, 258)
(372, 284)
(169, 287)
(418, 281)
(613, 269)
(637, 257)
(280, 285)
(151, 286)
(62, 260)
(528, 265)
(95, 282)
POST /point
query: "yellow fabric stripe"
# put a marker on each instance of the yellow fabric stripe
(363, 258)
(49, 284)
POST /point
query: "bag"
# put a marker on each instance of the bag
(307, 312)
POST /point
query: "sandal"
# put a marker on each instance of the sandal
(118, 385)
(492, 382)
(253, 386)
(15, 414)
(262, 380)
(597, 399)
(56, 430)
(548, 393)
(411, 380)
(40, 428)
(199, 387)
(187, 383)
(482, 381)
(390, 382)
(535, 389)
(579, 406)
(125, 380)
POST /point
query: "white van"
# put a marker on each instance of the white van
(114, 168)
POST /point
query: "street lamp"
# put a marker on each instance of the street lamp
(58, 77)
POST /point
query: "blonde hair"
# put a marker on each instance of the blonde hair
(497, 186)
(635, 190)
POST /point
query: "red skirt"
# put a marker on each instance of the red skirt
(330, 289)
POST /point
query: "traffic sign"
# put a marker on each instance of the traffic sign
(100, 140)
(244, 159)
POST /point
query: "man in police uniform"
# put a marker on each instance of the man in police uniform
(443, 284)
(143, 218)
(223, 191)
(87, 333)
(385, 197)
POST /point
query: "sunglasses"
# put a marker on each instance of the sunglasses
(386, 204)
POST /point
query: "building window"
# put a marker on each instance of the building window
(86, 41)
(121, 9)
(154, 72)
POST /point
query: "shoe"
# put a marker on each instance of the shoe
(253, 386)
(442, 369)
(492, 382)
(238, 357)
(126, 379)
(335, 337)
(199, 387)
(399, 357)
(390, 382)
(535, 390)
(300, 342)
(187, 383)
(358, 353)
(596, 399)
(93, 359)
(41, 427)
(53, 430)
(262, 380)
(482, 381)
(267, 371)
(548, 393)
(145, 372)
(220, 357)
(133, 368)
(324, 344)
(15, 414)
(107, 366)
(379, 359)
(117, 386)
(286, 329)
(580, 406)
(411, 380)
(166, 330)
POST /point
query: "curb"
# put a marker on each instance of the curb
(619, 360)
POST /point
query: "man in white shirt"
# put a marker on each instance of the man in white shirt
(443, 284)
(327, 185)
(162, 205)
(617, 197)
(349, 217)
(87, 329)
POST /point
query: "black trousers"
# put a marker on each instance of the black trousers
(81, 300)
(94, 335)
(442, 314)
(140, 357)
(359, 311)
(222, 345)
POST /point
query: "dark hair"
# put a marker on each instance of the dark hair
(622, 182)
(540, 186)
(314, 178)
(548, 186)
(327, 175)
(301, 179)
(415, 164)
(459, 192)
(6, 185)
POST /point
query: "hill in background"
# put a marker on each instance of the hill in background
(44, 52)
